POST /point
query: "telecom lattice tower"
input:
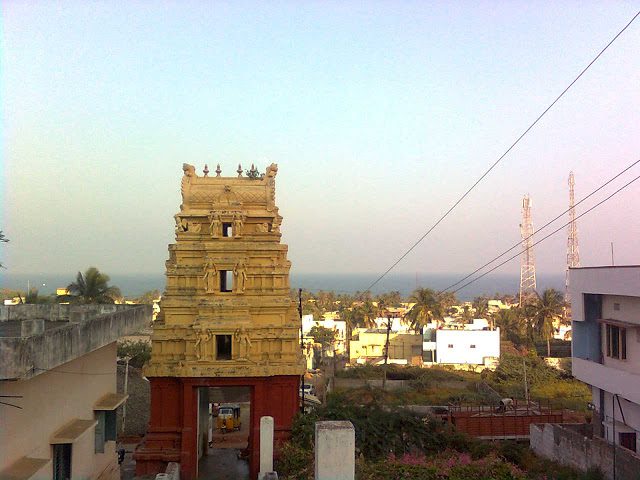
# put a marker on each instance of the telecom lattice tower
(527, 265)
(573, 255)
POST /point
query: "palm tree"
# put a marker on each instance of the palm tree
(427, 308)
(93, 288)
(481, 307)
(546, 308)
(511, 324)
(348, 316)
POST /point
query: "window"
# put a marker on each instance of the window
(62, 461)
(472, 346)
(227, 230)
(616, 307)
(105, 429)
(450, 345)
(616, 342)
(223, 347)
(226, 280)
(99, 432)
(628, 440)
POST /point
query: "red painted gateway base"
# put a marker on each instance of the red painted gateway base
(172, 434)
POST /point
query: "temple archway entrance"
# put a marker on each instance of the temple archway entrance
(224, 421)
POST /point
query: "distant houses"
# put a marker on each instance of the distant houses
(449, 342)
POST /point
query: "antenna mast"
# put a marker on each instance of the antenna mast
(573, 254)
(527, 265)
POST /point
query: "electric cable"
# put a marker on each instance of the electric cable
(545, 237)
(73, 373)
(504, 154)
(540, 229)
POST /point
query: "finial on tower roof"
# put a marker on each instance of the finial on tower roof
(206, 170)
(218, 170)
(239, 170)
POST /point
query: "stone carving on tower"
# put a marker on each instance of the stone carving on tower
(226, 308)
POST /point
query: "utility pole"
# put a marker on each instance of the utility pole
(527, 265)
(126, 391)
(573, 254)
(526, 387)
(304, 357)
(386, 351)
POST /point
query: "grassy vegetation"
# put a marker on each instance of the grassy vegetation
(441, 385)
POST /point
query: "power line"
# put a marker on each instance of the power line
(545, 237)
(504, 154)
(74, 373)
(540, 229)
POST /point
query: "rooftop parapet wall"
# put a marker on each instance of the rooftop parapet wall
(56, 312)
(24, 358)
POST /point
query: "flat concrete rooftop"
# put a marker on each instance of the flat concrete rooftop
(37, 338)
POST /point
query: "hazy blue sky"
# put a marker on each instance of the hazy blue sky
(379, 114)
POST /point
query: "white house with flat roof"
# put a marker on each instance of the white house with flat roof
(466, 346)
(605, 312)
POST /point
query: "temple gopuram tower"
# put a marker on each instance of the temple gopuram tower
(226, 320)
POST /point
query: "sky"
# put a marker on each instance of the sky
(378, 114)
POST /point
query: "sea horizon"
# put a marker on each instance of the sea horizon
(132, 285)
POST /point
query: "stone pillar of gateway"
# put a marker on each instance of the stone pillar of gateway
(226, 318)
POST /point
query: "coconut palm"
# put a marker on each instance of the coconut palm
(93, 287)
(481, 307)
(427, 308)
(546, 308)
(511, 324)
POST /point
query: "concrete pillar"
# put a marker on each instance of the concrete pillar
(335, 451)
(266, 447)
(29, 328)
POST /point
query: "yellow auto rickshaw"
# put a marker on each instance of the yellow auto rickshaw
(228, 417)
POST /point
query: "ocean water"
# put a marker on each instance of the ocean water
(133, 285)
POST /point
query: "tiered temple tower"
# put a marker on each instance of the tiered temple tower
(226, 320)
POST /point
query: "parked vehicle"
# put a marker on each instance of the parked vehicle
(228, 417)
(308, 389)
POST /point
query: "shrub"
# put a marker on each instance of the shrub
(139, 352)
(295, 463)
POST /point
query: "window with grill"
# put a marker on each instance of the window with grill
(616, 342)
(62, 461)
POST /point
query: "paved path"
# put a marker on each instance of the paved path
(223, 464)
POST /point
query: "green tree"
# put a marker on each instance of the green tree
(511, 324)
(366, 314)
(324, 336)
(427, 308)
(546, 308)
(481, 307)
(139, 352)
(147, 298)
(390, 299)
(93, 287)
(349, 316)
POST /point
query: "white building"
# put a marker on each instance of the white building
(605, 312)
(58, 373)
(339, 326)
(461, 347)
